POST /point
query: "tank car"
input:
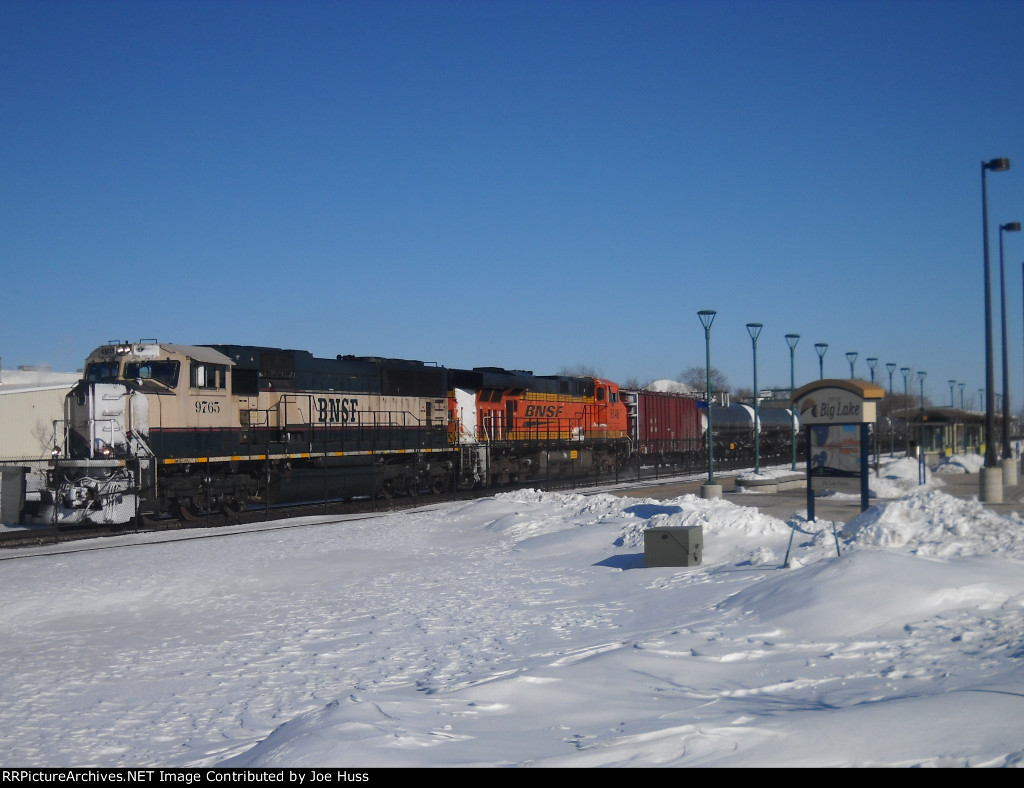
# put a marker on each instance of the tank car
(733, 427)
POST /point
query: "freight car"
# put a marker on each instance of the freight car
(667, 428)
(156, 429)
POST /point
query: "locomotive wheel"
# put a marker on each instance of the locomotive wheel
(186, 511)
(437, 485)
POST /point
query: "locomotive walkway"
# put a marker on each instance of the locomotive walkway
(785, 503)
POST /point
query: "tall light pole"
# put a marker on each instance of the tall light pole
(872, 363)
(920, 440)
(851, 357)
(962, 386)
(1009, 227)
(891, 367)
(754, 329)
(994, 488)
(821, 347)
(709, 489)
(905, 371)
(952, 384)
(791, 340)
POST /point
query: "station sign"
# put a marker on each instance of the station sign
(835, 416)
(849, 402)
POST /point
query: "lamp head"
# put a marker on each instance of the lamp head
(707, 317)
(997, 165)
(821, 347)
(1010, 227)
(792, 339)
(754, 329)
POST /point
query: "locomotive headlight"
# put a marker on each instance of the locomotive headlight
(55, 451)
(106, 451)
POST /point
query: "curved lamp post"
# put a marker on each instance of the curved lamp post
(754, 329)
(851, 357)
(709, 489)
(821, 347)
(791, 340)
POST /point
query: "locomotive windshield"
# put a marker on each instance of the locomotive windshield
(102, 370)
(165, 372)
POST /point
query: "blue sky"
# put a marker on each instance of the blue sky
(523, 184)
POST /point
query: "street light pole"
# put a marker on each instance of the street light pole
(891, 367)
(920, 440)
(905, 371)
(851, 357)
(821, 347)
(1009, 474)
(791, 340)
(991, 475)
(872, 363)
(709, 489)
(754, 329)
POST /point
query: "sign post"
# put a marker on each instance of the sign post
(835, 415)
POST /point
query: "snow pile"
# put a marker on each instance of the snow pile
(524, 629)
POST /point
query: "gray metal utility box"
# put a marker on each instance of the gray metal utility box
(679, 546)
(12, 493)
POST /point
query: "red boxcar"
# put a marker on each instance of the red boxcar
(664, 423)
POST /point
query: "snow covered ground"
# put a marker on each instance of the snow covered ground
(525, 630)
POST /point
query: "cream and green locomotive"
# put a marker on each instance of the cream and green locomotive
(158, 429)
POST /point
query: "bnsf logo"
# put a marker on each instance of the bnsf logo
(337, 410)
(543, 411)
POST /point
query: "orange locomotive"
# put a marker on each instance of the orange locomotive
(512, 425)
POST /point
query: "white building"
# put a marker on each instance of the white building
(30, 401)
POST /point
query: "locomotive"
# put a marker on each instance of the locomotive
(156, 429)
(159, 430)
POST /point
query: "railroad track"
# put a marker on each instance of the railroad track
(62, 533)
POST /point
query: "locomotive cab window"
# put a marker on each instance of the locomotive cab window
(101, 370)
(165, 372)
(208, 376)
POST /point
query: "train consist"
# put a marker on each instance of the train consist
(156, 429)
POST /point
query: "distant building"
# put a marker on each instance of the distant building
(31, 399)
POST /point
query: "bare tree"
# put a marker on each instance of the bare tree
(579, 370)
(697, 379)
